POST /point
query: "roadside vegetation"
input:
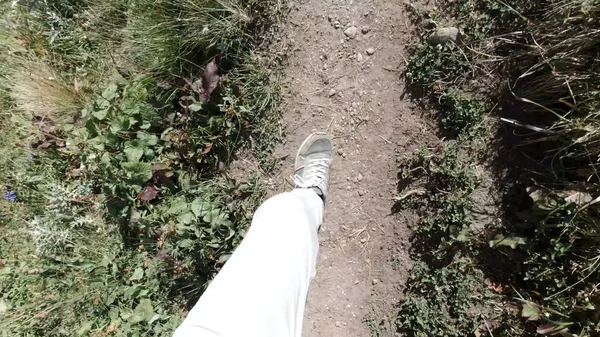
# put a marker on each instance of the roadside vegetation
(118, 121)
(507, 241)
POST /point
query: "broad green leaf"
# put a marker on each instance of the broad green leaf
(223, 258)
(153, 319)
(144, 311)
(511, 241)
(212, 215)
(133, 153)
(85, 328)
(110, 92)
(187, 218)
(195, 107)
(138, 274)
(136, 171)
(530, 311)
(200, 207)
(100, 114)
(145, 125)
(3, 306)
(178, 206)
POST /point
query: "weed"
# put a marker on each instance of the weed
(443, 302)
(117, 214)
(464, 115)
(550, 71)
(432, 69)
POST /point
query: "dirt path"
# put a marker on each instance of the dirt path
(349, 84)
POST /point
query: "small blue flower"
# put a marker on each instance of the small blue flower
(11, 196)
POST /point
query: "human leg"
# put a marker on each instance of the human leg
(261, 291)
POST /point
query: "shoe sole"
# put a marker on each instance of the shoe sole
(311, 138)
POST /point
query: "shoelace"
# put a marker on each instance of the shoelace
(314, 174)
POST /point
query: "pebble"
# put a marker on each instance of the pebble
(356, 282)
(351, 32)
(360, 177)
(336, 25)
(332, 92)
(363, 240)
(444, 35)
(338, 324)
(375, 281)
(361, 193)
(341, 153)
(365, 29)
(344, 155)
(359, 57)
(330, 18)
(370, 51)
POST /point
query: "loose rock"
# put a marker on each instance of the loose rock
(338, 324)
(443, 36)
(351, 32)
(375, 281)
(365, 29)
(359, 57)
(370, 51)
(332, 92)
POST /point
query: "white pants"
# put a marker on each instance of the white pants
(261, 291)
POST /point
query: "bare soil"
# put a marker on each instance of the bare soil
(351, 87)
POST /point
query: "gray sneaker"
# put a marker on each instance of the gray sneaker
(313, 163)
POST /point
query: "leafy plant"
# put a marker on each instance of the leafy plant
(464, 115)
(443, 302)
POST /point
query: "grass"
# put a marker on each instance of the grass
(534, 250)
(119, 120)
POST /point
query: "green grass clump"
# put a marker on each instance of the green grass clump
(440, 185)
(431, 69)
(443, 302)
(119, 120)
(464, 115)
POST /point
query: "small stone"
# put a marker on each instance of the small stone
(350, 32)
(336, 25)
(341, 153)
(359, 177)
(329, 17)
(324, 66)
(363, 240)
(361, 193)
(332, 92)
(338, 324)
(359, 57)
(344, 155)
(370, 51)
(356, 282)
(375, 281)
(354, 105)
(365, 29)
(443, 35)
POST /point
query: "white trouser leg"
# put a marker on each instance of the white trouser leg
(261, 291)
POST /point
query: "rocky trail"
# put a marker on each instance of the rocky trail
(344, 77)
